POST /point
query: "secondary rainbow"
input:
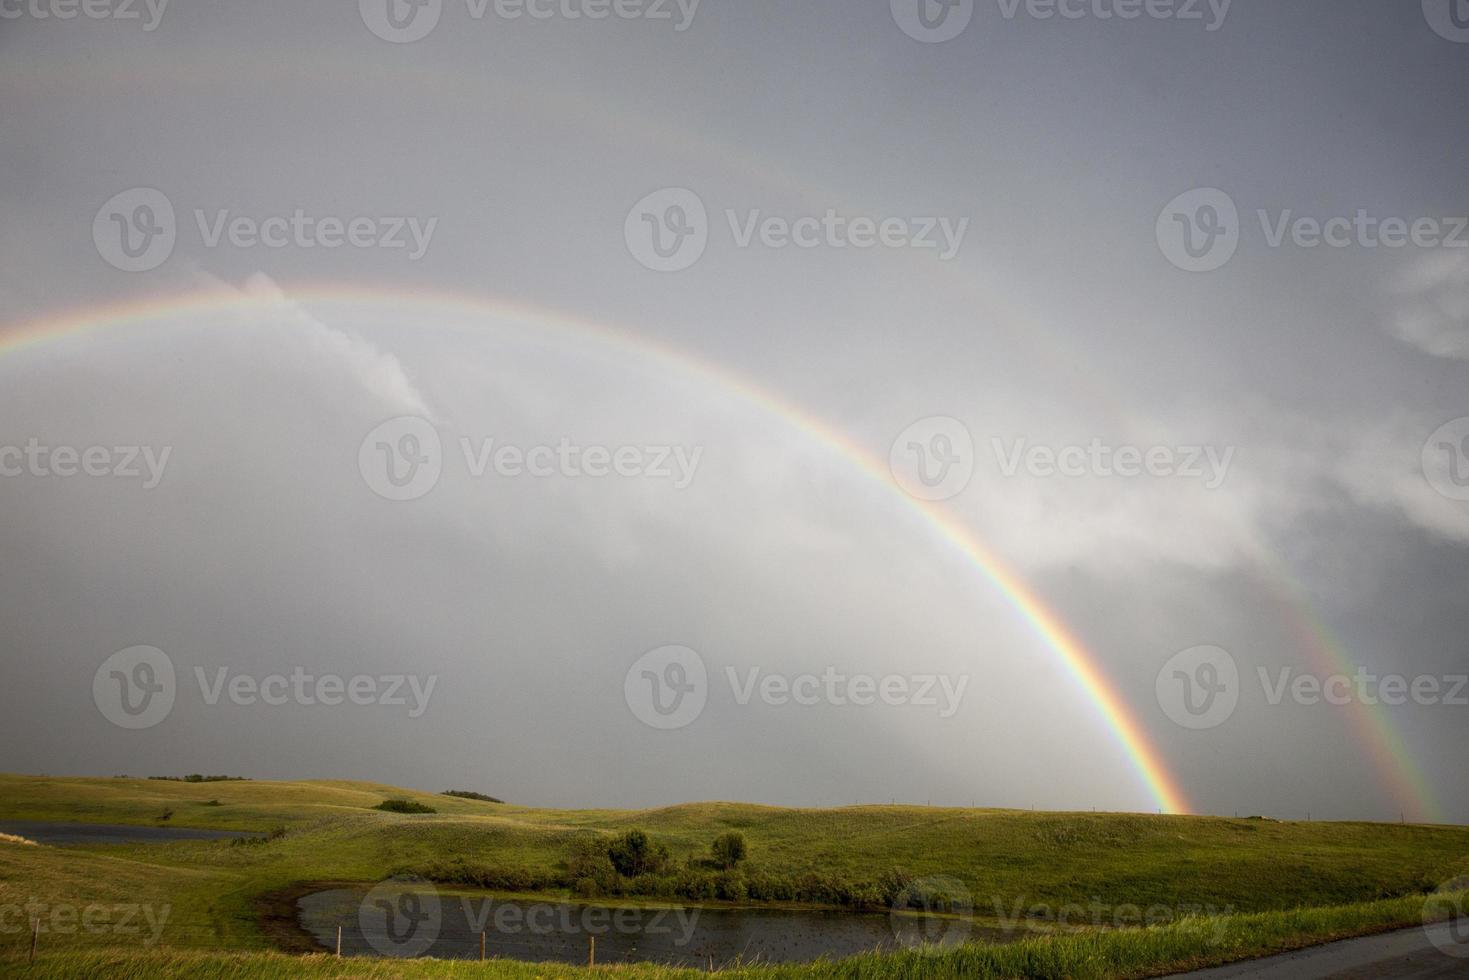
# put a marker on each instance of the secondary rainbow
(1083, 665)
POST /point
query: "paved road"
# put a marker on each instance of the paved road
(1409, 954)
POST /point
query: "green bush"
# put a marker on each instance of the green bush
(634, 854)
(729, 849)
(404, 806)
(465, 794)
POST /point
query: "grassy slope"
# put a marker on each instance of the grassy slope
(1005, 857)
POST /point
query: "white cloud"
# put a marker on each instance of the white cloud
(1434, 306)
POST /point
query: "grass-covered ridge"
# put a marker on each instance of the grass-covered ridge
(1008, 860)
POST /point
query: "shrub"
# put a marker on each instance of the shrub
(731, 887)
(634, 854)
(404, 806)
(588, 862)
(197, 778)
(465, 794)
(892, 885)
(729, 849)
(460, 872)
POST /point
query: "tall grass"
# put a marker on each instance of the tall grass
(1103, 955)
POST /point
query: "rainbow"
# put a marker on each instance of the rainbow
(1082, 664)
(1373, 726)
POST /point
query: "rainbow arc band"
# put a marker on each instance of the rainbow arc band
(1083, 665)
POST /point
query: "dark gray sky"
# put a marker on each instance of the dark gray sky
(1066, 157)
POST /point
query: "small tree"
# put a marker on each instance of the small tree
(634, 854)
(729, 849)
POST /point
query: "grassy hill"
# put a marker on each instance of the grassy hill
(1008, 860)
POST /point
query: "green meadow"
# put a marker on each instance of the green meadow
(1075, 884)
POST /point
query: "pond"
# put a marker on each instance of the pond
(407, 920)
(61, 832)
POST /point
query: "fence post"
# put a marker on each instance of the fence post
(482, 947)
(35, 935)
(339, 942)
(591, 952)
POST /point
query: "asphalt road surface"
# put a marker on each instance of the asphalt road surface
(1408, 954)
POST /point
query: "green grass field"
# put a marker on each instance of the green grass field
(1278, 885)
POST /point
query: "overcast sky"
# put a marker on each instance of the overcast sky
(1222, 250)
